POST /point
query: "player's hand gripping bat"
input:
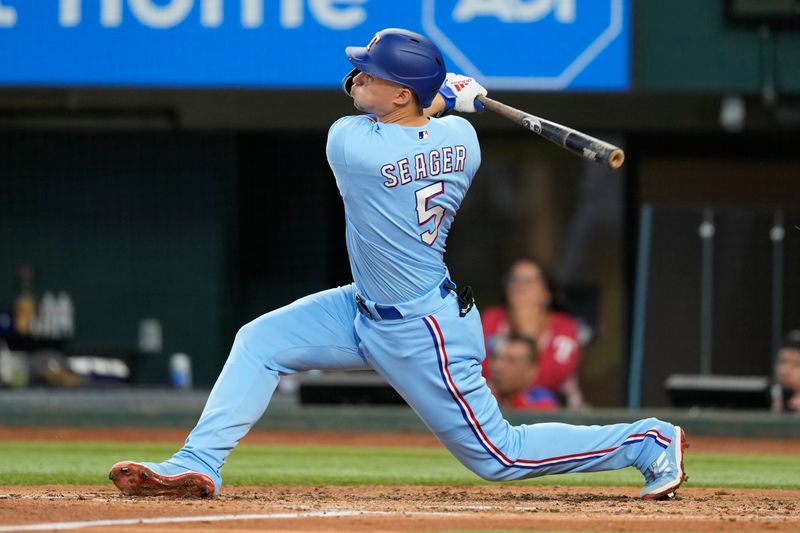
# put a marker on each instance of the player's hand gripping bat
(575, 141)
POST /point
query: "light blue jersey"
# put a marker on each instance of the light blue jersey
(401, 187)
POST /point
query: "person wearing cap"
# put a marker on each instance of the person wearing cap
(402, 176)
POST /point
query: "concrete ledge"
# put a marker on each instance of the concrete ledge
(169, 408)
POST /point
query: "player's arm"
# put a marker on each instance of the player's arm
(459, 93)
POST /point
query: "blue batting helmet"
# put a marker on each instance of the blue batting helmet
(403, 57)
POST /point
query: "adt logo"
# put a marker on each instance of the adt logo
(532, 44)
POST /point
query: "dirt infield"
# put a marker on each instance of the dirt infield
(406, 508)
(415, 509)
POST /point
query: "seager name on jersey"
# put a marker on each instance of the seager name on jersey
(424, 165)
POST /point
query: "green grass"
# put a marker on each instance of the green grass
(35, 463)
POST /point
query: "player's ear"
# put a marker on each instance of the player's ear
(404, 95)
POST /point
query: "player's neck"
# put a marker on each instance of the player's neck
(404, 116)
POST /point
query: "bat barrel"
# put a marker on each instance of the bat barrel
(585, 146)
(577, 142)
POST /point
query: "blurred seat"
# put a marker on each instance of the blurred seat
(728, 392)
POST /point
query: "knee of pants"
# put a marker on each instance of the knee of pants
(252, 342)
(491, 470)
(485, 466)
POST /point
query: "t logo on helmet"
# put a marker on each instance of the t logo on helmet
(374, 40)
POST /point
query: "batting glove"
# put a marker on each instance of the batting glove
(461, 93)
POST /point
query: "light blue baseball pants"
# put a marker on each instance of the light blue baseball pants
(432, 357)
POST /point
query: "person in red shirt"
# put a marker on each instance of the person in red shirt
(528, 312)
(513, 367)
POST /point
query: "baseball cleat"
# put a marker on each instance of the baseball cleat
(162, 479)
(667, 473)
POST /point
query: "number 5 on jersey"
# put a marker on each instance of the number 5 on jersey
(426, 212)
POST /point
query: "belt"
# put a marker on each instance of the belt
(379, 312)
(385, 312)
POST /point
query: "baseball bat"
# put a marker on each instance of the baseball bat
(575, 141)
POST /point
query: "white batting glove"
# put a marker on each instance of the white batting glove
(461, 93)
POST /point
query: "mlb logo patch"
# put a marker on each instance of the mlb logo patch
(423, 134)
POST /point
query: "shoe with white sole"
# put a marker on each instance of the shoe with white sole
(161, 479)
(666, 474)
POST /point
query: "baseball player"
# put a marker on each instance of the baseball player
(402, 174)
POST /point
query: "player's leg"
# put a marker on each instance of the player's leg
(439, 374)
(313, 332)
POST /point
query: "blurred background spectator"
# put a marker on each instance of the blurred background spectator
(529, 311)
(786, 390)
(513, 366)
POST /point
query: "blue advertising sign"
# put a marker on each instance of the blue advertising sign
(512, 44)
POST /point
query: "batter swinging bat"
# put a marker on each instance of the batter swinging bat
(575, 141)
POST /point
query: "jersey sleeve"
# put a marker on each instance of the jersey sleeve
(340, 141)
(335, 148)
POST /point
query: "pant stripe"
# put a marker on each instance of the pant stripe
(494, 451)
(466, 410)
